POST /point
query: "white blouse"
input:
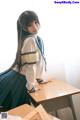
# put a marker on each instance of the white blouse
(33, 63)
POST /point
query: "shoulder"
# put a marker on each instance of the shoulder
(29, 44)
(29, 40)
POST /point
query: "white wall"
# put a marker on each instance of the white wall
(60, 27)
(60, 30)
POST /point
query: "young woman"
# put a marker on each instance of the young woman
(29, 67)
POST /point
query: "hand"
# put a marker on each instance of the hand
(40, 81)
(34, 89)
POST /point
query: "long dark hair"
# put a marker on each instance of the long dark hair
(23, 21)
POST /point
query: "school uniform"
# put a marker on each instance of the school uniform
(15, 84)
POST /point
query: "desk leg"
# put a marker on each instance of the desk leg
(58, 103)
(72, 107)
(56, 113)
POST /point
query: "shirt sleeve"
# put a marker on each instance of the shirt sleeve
(29, 52)
(30, 57)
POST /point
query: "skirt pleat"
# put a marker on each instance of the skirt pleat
(13, 91)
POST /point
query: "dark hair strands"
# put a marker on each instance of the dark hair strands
(22, 23)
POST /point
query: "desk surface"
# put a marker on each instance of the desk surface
(53, 89)
(23, 110)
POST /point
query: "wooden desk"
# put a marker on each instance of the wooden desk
(23, 110)
(55, 95)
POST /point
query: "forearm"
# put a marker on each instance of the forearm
(30, 73)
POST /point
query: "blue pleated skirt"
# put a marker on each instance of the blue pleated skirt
(13, 91)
